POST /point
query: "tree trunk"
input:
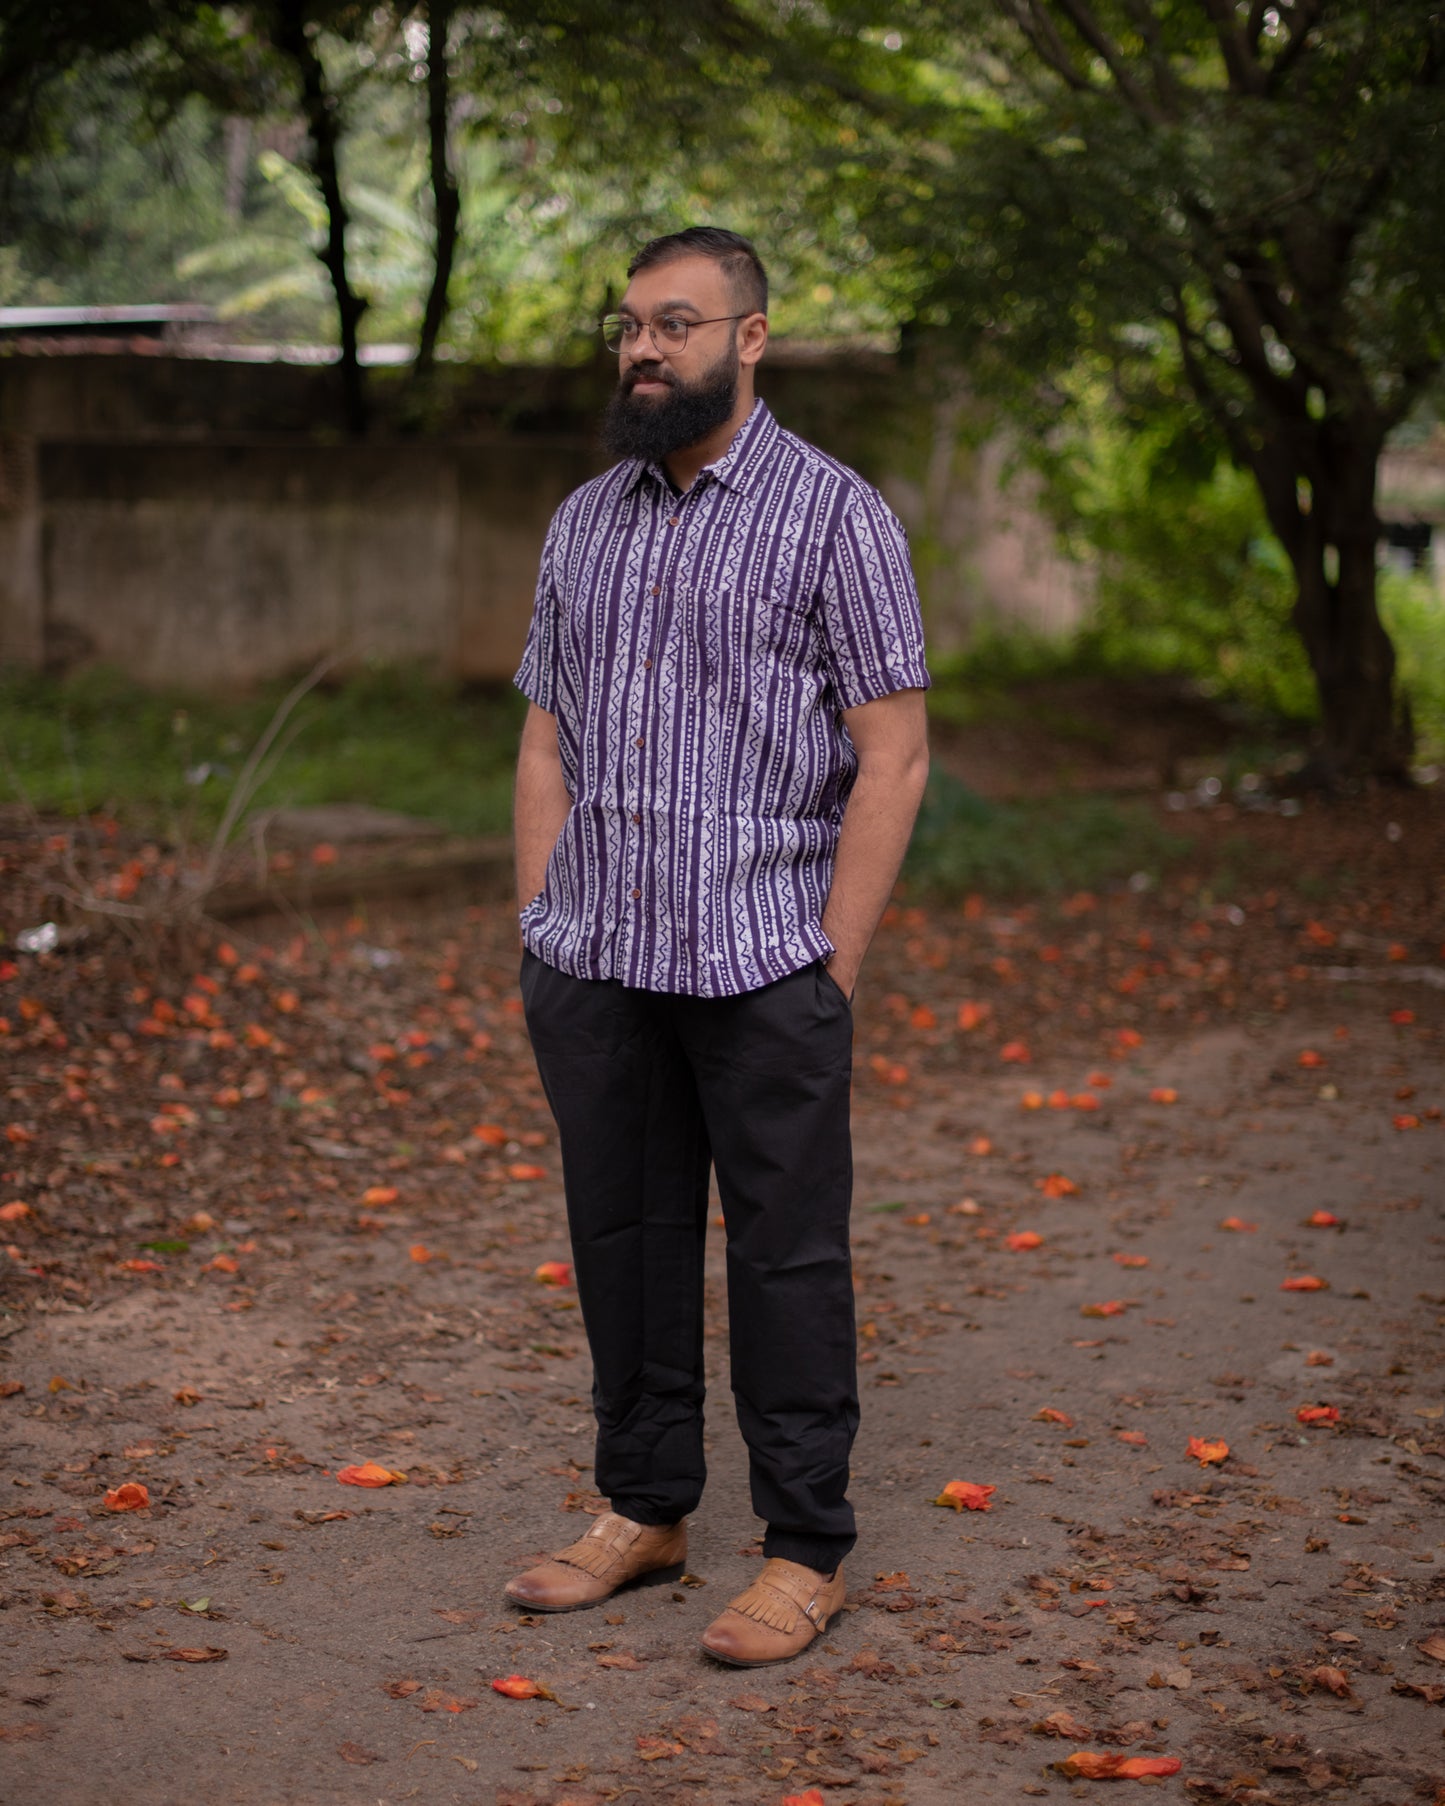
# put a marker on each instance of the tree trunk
(319, 108)
(1319, 491)
(446, 199)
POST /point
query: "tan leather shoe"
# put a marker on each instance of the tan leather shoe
(612, 1553)
(780, 1614)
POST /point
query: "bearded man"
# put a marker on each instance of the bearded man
(718, 775)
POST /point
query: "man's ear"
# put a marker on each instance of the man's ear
(752, 338)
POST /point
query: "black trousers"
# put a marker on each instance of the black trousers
(649, 1090)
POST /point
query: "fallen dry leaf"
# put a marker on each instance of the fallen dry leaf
(402, 1689)
(657, 1749)
(1111, 1765)
(752, 1702)
(1206, 1452)
(132, 1496)
(377, 1195)
(1304, 1282)
(1433, 1646)
(370, 1473)
(1111, 1307)
(1335, 1679)
(1061, 1723)
(194, 1655)
(629, 1664)
(1318, 1414)
(1048, 1414)
(963, 1495)
(1431, 1691)
(357, 1754)
(14, 1211)
(1239, 1226)
(1131, 1260)
(1022, 1240)
(1135, 1438)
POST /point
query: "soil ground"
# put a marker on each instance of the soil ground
(284, 1204)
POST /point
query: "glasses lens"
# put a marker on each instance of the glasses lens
(618, 331)
(670, 333)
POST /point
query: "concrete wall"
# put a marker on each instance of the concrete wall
(196, 524)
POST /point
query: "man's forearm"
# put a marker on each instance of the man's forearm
(871, 845)
(541, 803)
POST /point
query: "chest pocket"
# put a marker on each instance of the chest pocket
(747, 636)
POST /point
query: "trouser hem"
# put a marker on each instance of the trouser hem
(821, 1553)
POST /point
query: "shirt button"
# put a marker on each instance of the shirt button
(635, 895)
(637, 818)
(647, 664)
(654, 591)
(639, 741)
(673, 522)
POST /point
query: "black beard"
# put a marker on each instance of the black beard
(653, 429)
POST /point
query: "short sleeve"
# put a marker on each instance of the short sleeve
(537, 674)
(872, 625)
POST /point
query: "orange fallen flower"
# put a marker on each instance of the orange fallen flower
(811, 1798)
(963, 1495)
(1058, 1100)
(1239, 1225)
(1049, 1414)
(420, 1253)
(517, 1686)
(1406, 1121)
(1163, 1094)
(492, 1133)
(379, 1194)
(980, 1145)
(1304, 1282)
(1055, 1185)
(222, 1263)
(971, 1014)
(1308, 1057)
(140, 1266)
(1022, 1239)
(1131, 1260)
(1318, 1414)
(1111, 1307)
(1015, 1053)
(1401, 1018)
(1208, 1453)
(522, 1169)
(14, 1211)
(1111, 1765)
(1084, 1100)
(1322, 1219)
(132, 1496)
(923, 1018)
(554, 1273)
(1032, 1100)
(370, 1473)
(1136, 1439)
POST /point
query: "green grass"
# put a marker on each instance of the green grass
(962, 843)
(393, 739)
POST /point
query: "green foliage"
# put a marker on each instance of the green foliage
(393, 739)
(962, 843)
(1413, 611)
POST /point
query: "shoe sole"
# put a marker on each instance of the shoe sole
(655, 1577)
(770, 1661)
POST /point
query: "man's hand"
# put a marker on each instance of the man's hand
(891, 737)
(542, 802)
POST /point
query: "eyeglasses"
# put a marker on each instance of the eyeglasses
(668, 331)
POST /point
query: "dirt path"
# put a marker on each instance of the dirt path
(357, 1283)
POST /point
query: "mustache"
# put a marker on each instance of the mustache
(655, 372)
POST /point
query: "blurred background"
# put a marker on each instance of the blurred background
(1134, 311)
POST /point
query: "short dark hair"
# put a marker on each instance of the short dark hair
(740, 262)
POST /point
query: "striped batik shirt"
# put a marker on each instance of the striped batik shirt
(696, 651)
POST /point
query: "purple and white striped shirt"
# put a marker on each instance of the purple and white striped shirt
(696, 651)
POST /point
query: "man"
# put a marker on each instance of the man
(717, 780)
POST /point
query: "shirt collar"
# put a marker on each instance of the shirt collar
(740, 466)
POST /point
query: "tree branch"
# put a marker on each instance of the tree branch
(1083, 21)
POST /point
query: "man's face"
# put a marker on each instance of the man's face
(665, 404)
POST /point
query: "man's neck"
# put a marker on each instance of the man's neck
(683, 466)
